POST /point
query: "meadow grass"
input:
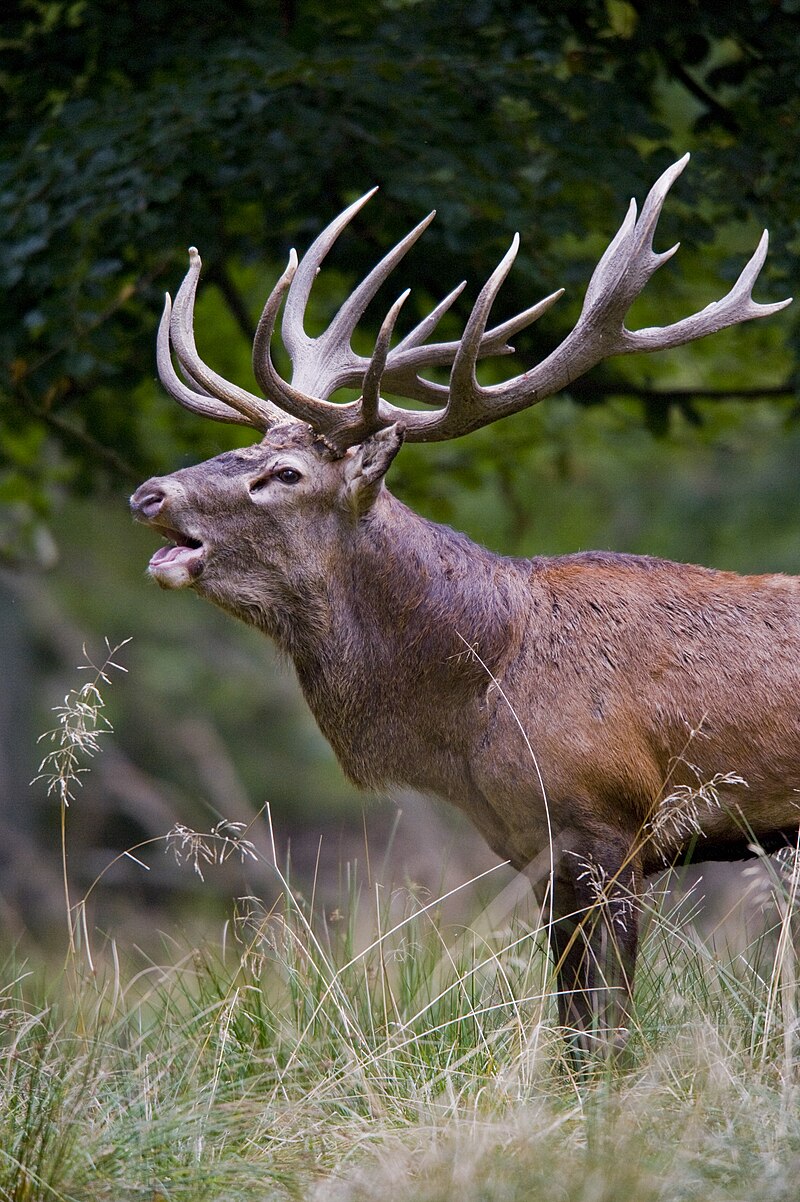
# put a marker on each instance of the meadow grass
(374, 1050)
(315, 1055)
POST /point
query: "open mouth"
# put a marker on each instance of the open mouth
(179, 563)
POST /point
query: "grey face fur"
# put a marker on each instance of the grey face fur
(256, 530)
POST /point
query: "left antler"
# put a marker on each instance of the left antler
(323, 364)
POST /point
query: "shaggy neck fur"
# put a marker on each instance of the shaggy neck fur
(392, 643)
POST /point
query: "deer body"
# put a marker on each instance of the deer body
(424, 657)
(596, 715)
(618, 669)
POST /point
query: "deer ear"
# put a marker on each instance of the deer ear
(367, 464)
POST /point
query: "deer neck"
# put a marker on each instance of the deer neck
(404, 587)
(414, 623)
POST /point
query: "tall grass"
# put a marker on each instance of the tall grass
(316, 1054)
(372, 1050)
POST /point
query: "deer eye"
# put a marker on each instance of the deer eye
(286, 475)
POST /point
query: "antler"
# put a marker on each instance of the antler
(624, 269)
(323, 364)
(202, 384)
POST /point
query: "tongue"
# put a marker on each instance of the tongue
(176, 567)
(171, 554)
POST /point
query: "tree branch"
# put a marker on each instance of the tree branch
(72, 434)
(675, 396)
(724, 116)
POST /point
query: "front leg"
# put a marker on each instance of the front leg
(593, 939)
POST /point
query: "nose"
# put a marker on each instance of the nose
(148, 500)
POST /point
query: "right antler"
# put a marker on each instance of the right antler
(600, 332)
(323, 364)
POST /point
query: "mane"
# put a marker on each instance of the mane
(445, 587)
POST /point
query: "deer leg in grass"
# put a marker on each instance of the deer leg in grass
(593, 941)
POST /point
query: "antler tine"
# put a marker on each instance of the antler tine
(323, 364)
(654, 202)
(190, 397)
(743, 287)
(263, 367)
(353, 309)
(315, 411)
(462, 376)
(630, 260)
(494, 340)
(259, 413)
(190, 383)
(371, 395)
(292, 332)
(423, 329)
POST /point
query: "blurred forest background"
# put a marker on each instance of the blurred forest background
(132, 130)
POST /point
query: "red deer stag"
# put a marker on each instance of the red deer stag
(570, 706)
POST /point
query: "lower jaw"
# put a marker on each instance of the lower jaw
(176, 575)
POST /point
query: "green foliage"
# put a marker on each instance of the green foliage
(129, 132)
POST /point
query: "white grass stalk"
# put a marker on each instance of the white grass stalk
(783, 981)
(81, 723)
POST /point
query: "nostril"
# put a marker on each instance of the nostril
(149, 503)
(152, 504)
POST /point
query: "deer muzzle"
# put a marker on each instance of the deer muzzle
(180, 562)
